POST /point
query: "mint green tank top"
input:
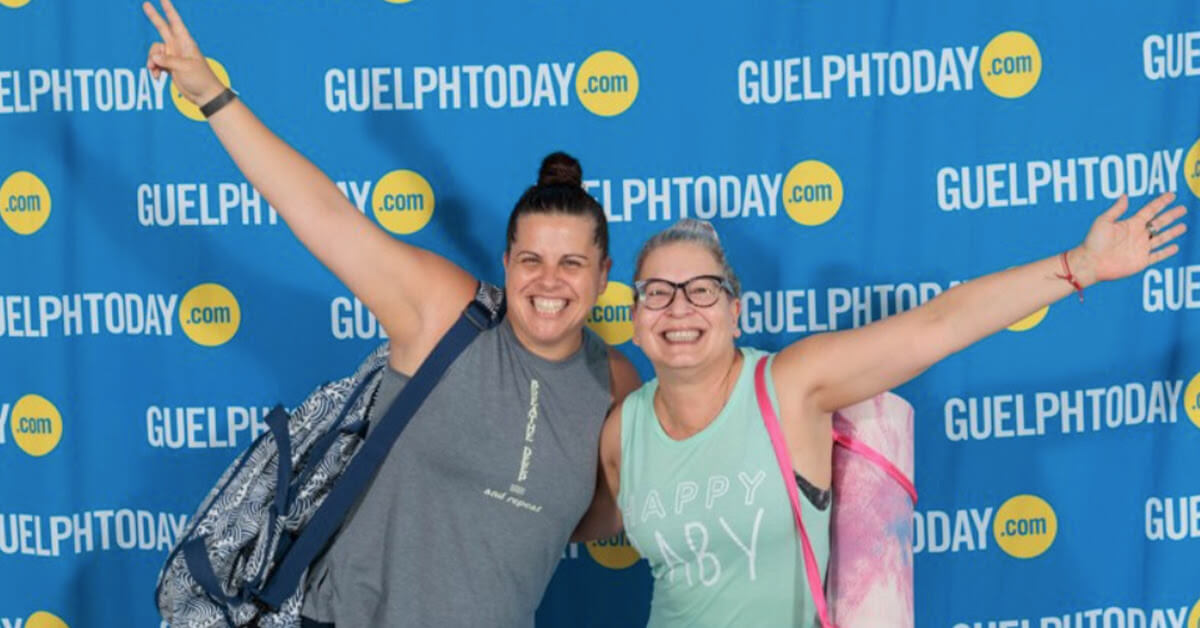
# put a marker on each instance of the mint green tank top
(710, 514)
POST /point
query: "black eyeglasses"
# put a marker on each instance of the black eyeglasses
(700, 291)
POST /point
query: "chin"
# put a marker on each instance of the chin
(550, 331)
(675, 364)
(671, 358)
(550, 334)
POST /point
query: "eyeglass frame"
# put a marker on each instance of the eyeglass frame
(639, 290)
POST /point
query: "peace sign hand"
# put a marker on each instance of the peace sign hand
(179, 55)
(1119, 248)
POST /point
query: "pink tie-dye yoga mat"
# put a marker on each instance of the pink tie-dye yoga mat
(870, 579)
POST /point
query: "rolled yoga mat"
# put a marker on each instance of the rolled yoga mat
(870, 574)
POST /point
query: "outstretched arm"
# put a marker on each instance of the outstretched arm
(412, 291)
(830, 371)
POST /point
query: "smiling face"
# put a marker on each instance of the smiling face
(554, 272)
(683, 335)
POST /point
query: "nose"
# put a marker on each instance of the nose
(548, 276)
(679, 306)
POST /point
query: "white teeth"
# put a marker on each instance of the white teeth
(682, 335)
(548, 306)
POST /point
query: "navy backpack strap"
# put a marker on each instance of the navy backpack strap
(358, 474)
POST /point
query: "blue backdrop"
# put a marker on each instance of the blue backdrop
(857, 159)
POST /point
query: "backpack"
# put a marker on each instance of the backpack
(243, 556)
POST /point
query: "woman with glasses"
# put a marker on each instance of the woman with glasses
(688, 458)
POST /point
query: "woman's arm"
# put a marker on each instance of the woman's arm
(830, 371)
(603, 518)
(410, 290)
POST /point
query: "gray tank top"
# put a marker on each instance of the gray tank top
(469, 514)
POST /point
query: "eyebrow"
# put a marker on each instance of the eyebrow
(579, 256)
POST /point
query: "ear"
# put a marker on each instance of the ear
(605, 268)
(634, 337)
(736, 309)
(633, 312)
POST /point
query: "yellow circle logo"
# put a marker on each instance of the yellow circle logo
(24, 202)
(614, 552)
(1031, 321)
(812, 193)
(607, 83)
(1191, 400)
(1191, 168)
(1025, 526)
(184, 105)
(1194, 617)
(1011, 64)
(42, 619)
(209, 314)
(14, 4)
(402, 201)
(612, 316)
(36, 425)
(397, 1)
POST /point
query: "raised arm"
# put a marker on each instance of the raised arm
(830, 371)
(413, 292)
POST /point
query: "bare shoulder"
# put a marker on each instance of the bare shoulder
(623, 377)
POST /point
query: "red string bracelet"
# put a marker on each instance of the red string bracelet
(1070, 278)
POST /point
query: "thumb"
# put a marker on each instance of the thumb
(1118, 208)
(166, 61)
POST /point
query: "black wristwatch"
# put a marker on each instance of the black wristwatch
(220, 100)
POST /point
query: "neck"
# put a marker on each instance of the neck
(552, 351)
(688, 400)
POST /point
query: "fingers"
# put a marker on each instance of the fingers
(1118, 208)
(1154, 207)
(1164, 220)
(157, 50)
(165, 61)
(1163, 237)
(164, 30)
(176, 21)
(1163, 254)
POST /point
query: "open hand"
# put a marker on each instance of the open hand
(179, 55)
(1118, 248)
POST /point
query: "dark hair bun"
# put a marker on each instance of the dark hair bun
(560, 169)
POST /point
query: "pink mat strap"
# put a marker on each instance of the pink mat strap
(815, 583)
(861, 448)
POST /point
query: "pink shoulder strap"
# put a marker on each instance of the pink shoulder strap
(815, 583)
(785, 467)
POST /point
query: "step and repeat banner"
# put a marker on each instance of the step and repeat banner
(857, 159)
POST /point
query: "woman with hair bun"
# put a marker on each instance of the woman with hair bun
(429, 544)
(689, 458)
